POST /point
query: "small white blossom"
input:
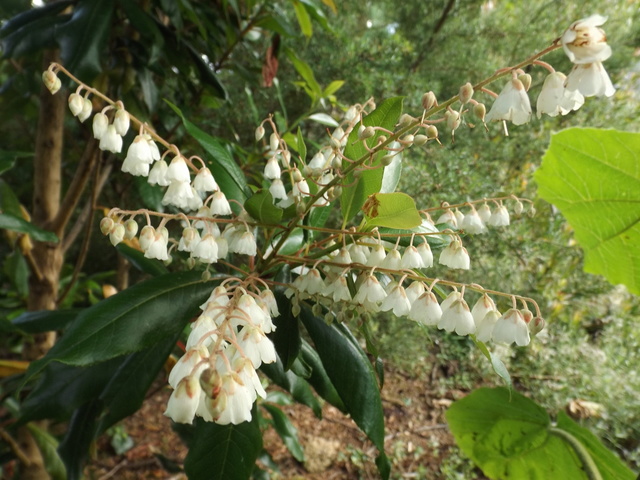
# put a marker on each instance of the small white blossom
(110, 140)
(584, 42)
(512, 104)
(590, 79)
(555, 99)
(204, 181)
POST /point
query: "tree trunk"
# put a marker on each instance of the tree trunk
(47, 257)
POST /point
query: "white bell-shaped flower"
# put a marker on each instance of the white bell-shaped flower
(206, 250)
(512, 104)
(555, 99)
(121, 121)
(590, 79)
(584, 42)
(219, 204)
(110, 140)
(76, 104)
(178, 170)
(204, 181)
(184, 400)
(500, 217)
(457, 318)
(100, 124)
(426, 309)
(158, 174)
(484, 328)
(397, 301)
(510, 328)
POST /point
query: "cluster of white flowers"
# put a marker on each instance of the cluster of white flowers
(216, 378)
(586, 46)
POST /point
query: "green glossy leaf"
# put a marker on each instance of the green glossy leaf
(16, 224)
(129, 321)
(25, 18)
(139, 261)
(319, 379)
(357, 384)
(45, 320)
(306, 72)
(333, 87)
(32, 37)
(496, 363)
(355, 194)
(316, 12)
(287, 432)
(226, 171)
(304, 20)
(83, 38)
(141, 21)
(16, 268)
(301, 147)
(260, 206)
(298, 387)
(509, 436)
(592, 177)
(608, 464)
(292, 244)
(392, 210)
(277, 24)
(286, 338)
(9, 202)
(48, 446)
(81, 431)
(223, 452)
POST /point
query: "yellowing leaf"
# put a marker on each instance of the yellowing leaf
(392, 210)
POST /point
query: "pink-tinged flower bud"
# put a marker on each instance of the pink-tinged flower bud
(117, 234)
(429, 100)
(365, 132)
(51, 81)
(274, 142)
(106, 224)
(259, 134)
(405, 120)
(76, 103)
(536, 325)
(518, 208)
(466, 92)
(130, 229)
(147, 235)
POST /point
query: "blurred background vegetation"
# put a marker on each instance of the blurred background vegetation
(591, 347)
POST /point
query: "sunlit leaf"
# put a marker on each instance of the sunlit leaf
(392, 210)
(356, 191)
(592, 177)
(304, 20)
(324, 119)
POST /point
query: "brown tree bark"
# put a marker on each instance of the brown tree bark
(47, 258)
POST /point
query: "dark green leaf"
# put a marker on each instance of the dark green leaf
(301, 147)
(260, 206)
(292, 244)
(139, 261)
(357, 191)
(286, 431)
(319, 379)
(45, 320)
(32, 37)
(83, 38)
(315, 10)
(298, 387)
(223, 452)
(8, 159)
(141, 21)
(9, 202)
(226, 171)
(286, 338)
(81, 431)
(129, 321)
(15, 267)
(16, 224)
(356, 385)
(48, 445)
(25, 18)
(277, 24)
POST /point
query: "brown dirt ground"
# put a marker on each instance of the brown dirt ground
(417, 439)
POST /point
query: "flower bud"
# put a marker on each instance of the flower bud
(100, 124)
(296, 175)
(420, 140)
(106, 224)
(116, 235)
(466, 92)
(387, 159)
(382, 139)
(429, 100)
(480, 111)
(259, 133)
(532, 211)
(365, 132)
(274, 142)
(525, 78)
(453, 119)
(405, 120)
(351, 113)
(206, 275)
(518, 207)
(432, 131)
(76, 103)
(130, 229)
(121, 122)
(536, 325)
(87, 109)
(51, 81)
(408, 139)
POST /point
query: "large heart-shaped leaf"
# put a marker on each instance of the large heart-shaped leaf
(593, 177)
(509, 436)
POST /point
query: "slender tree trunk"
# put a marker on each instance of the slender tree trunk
(47, 257)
